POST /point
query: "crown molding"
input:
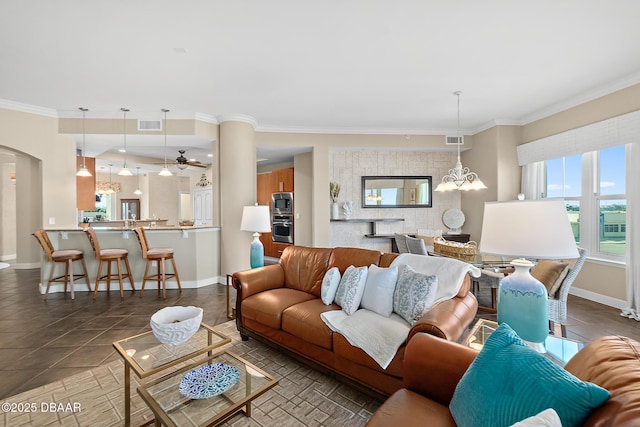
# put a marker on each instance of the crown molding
(583, 98)
(238, 118)
(27, 108)
(361, 131)
(207, 118)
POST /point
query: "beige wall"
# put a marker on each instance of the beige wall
(7, 207)
(303, 198)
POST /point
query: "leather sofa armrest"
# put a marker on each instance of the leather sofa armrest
(433, 366)
(251, 282)
(447, 319)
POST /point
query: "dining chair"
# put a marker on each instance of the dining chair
(66, 256)
(558, 299)
(159, 256)
(109, 256)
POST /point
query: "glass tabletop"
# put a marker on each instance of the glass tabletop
(172, 408)
(558, 349)
(146, 355)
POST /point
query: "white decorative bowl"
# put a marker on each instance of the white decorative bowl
(175, 325)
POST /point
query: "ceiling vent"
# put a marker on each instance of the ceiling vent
(150, 125)
(455, 140)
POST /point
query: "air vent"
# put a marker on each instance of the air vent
(149, 124)
(455, 140)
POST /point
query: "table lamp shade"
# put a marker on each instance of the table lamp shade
(256, 219)
(537, 229)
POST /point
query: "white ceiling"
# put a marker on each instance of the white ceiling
(332, 66)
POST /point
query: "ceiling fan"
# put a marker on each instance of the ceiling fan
(182, 162)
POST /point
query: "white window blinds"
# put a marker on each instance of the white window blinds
(607, 133)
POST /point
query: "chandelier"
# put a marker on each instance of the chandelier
(107, 187)
(460, 178)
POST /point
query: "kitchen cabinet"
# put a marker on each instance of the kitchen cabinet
(203, 207)
(86, 185)
(267, 183)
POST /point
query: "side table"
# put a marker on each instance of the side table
(145, 355)
(558, 350)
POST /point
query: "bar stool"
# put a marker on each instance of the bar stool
(109, 255)
(67, 256)
(160, 255)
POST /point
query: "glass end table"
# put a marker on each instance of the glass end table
(145, 355)
(557, 349)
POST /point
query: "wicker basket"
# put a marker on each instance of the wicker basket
(462, 251)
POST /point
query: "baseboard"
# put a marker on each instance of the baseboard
(599, 298)
(7, 257)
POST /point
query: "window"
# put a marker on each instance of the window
(593, 186)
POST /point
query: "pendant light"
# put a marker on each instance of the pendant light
(165, 170)
(109, 189)
(83, 170)
(460, 178)
(137, 192)
(125, 171)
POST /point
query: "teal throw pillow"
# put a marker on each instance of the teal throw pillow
(351, 288)
(414, 294)
(509, 381)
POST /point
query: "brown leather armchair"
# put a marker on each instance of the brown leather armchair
(433, 367)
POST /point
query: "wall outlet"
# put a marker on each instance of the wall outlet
(52, 220)
(154, 263)
(64, 235)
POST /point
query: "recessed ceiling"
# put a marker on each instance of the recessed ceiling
(355, 66)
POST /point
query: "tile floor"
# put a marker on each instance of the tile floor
(45, 341)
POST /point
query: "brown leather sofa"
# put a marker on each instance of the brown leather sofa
(433, 368)
(281, 304)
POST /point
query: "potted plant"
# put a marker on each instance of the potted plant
(334, 192)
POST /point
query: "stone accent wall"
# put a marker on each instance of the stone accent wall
(347, 168)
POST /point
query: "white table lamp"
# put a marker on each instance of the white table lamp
(256, 219)
(537, 229)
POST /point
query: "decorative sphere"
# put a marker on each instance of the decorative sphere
(175, 325)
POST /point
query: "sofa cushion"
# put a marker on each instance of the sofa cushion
(303, 321)
(414, 294)
(304, 268)
(330, 284)
(267, 307)
(551, 274)
(509, 381)
(358, 257)
(378, 290)
(351, 288)
(406, 408)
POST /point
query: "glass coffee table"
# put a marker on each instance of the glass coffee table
(171, 408)
(558, 350)
(146, 356)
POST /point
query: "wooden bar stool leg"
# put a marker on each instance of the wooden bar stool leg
(70, 271)
(164, 280)
(144, 277)
(66, 276)
(119, 263)
(53, 267)
(129, 275)
(86, 274)
(109, 275)
(158, 274)
(175, 272)
(95, 291)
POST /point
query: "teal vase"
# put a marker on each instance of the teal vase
(523, 303)
(257, 252)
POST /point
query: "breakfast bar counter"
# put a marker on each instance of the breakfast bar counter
(196, 252)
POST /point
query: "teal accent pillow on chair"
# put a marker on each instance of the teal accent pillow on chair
(509, 381)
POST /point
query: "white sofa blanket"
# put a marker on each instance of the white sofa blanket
(379, 336)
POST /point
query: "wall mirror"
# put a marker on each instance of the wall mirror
(396, 192)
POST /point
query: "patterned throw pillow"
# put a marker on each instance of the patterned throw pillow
(509, 381)
(378, 291)
(414, 295)
(351, 288)
(330, 285)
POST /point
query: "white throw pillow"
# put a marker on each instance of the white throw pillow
(414, 295)
(351, 288)
(330, 285)
(378, 291)
(547, 418)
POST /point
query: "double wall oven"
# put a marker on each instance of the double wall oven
(282, 217)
